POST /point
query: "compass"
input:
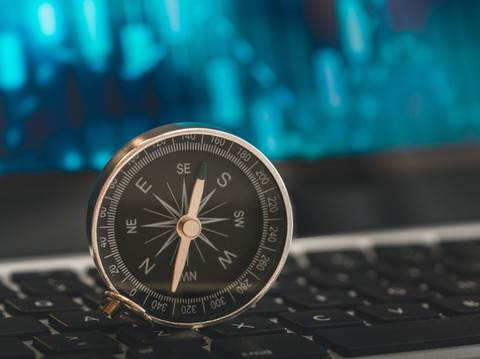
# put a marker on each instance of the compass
(188, 226)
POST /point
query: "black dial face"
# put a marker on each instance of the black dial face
(192, 226)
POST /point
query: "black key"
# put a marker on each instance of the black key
(76, 342)
(285, 346)
(134, 336)
(6, 292)
(12, 348)
(24, 327)
(40, 307)
(170, 351)
(324, 299)
(291, 268)
(464, 249)
(395, 312)
(243, 326)
(338, 261)
(341, 280)
(395, 293)
(285, 284)
(455, 285)
(80, 320)
(43, 275)
(267, 307)
(305, 322)
(414, 254)
(54, 287)
(87, 355)
(463, 266)
(411, 273)
(457, 305)
(400, 337)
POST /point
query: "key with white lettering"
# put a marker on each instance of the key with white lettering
(396, 292)
(395, 312)
(40, 307)
(78, 320)
(285, 346)
(76, 342)
(305, 322)
(244, 326)
(457, 305)
(154, 335)
(170, 351)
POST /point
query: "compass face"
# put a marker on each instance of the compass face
(192, 224)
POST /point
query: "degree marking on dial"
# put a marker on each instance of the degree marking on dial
(253, 275)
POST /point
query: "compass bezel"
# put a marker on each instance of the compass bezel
(132, 149)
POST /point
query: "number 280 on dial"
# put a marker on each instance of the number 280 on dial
(188, 226)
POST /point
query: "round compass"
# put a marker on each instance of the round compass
(188, 226)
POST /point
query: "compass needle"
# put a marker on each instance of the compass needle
(183, 244)
(189, 226)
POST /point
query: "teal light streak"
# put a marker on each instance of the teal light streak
(47, 19)
(12, 62)
(225, 92)
(94, 32)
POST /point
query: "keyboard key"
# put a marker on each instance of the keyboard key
(324, 299)
(412, 254)
(285, 284)
(76, 342)
(267, 307)
(395, 293)
(243, 326)
(40, 307)
(403, 336)
(24, 327)
(87, 355)
(463, 266)
(285, 346)
(341, 280)
(80, 320)
(463, 249)
(338, 261)
(395, 312)
(457, 305)
(170, 351)
(134, 336)
(12, 348)
(305, 322)
(411, 273)
(43, 275)
(54, 287)
(455, 285)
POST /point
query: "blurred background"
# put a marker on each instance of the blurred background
(369, 108)
(299, 79)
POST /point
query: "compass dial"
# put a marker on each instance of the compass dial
(191, 224)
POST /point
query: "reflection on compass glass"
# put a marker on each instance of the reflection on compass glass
(192, 226)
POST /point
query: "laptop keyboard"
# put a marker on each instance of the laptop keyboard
(351, 302)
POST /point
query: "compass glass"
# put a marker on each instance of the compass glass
(192, 225)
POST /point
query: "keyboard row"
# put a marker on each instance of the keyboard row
(239, 338)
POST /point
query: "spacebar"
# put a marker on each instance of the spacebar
(400, 337)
